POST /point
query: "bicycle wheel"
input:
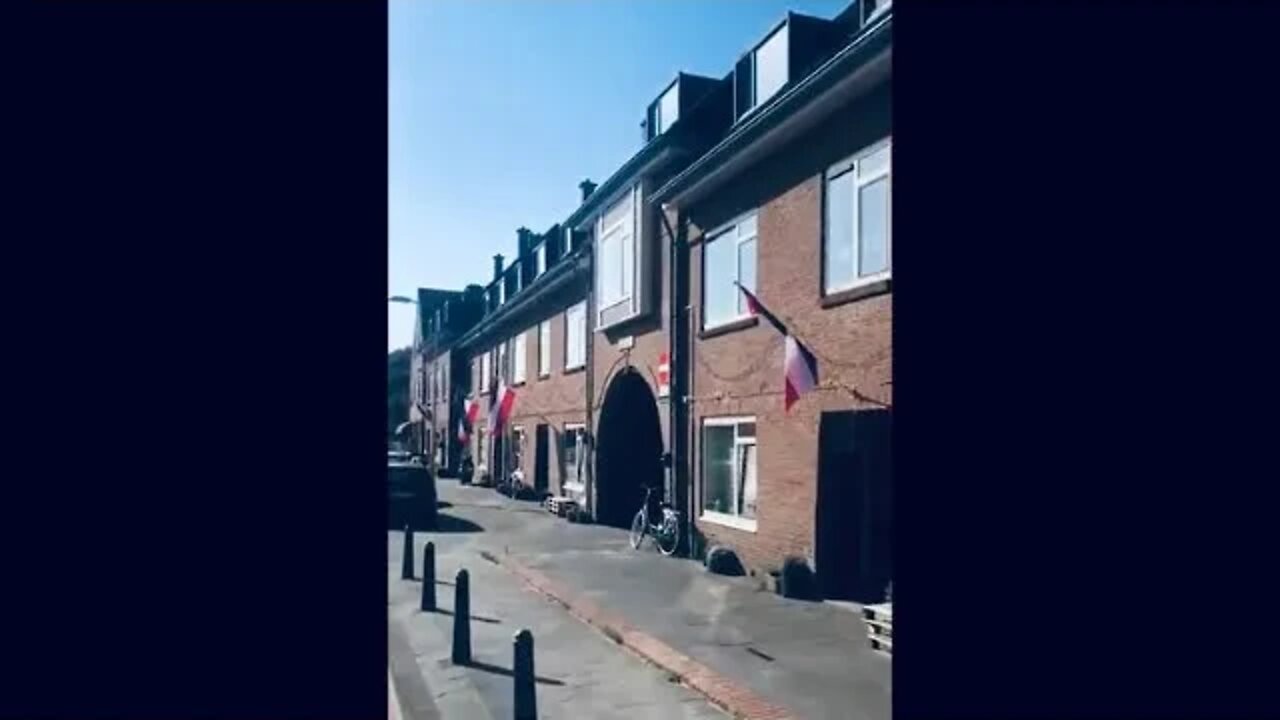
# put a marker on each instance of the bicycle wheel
(669, 536)
(637, 529)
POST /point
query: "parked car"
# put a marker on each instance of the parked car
(411, 495)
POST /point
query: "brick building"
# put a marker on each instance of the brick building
(794, 203)
(440, 380)
(633, 358)
(533, 338)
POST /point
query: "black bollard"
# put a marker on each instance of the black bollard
(428, 577)
(462, 619)
(526, 699)
(406, 564)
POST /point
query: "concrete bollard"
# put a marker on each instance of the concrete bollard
(406, 564)
(428, 577)
(526, 698)
(462, 619)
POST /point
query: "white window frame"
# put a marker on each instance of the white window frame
(579, 309)
(486, 370)
(618, 232)
(718, 234)
(544, 349)
(579, 450)
(851, 164)
(728, 520)
(519, 358)
(501, 353)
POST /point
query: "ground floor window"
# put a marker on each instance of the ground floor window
(571, 454)
(729, 486)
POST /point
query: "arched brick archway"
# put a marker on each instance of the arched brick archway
(629, 449)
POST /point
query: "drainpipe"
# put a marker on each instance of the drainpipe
(590, 379)
(677, 356)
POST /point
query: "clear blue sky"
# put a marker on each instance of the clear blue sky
(499, 108)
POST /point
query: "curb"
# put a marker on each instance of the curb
(735, 698)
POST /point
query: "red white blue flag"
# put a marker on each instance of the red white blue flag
(799, 367)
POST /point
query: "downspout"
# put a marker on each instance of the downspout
(677, 377)
(590, 379)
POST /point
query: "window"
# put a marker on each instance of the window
(858, 232)
(729, 486)
(484, 373)
(575, 336)
(763, 72)
(668, 109)
(503, 371)
(502, 290)
(572, 455)
(615, 277)
(728, 257)
(519, 359)
(541, 263)
(771, 65)
(544, 348)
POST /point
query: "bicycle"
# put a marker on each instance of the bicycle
(666, 532)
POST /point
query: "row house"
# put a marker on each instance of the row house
(635, 358)
(533, 338)
(440, 378)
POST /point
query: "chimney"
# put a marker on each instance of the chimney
(524, 240)
(497, 266)
(587, 188)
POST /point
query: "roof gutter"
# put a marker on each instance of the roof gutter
(872, 41)
(565, 272)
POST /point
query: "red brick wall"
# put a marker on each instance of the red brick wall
(555, 400)
(648, 335)
(740, 373)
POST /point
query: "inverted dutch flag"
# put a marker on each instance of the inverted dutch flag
(799, 367)
(504, 398)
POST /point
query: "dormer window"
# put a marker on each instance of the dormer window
(763, 71)
(541, 262)
(502, 292)
(668, 109)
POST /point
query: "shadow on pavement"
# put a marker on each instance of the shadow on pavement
(450, 524)
(480, 618)
(503, 671)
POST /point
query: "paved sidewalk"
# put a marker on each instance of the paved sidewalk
(769, 656)
(581, 673)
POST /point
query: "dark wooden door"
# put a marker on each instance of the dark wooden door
(852, 550)
(541, 461)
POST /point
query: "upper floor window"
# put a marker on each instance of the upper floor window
(503, 371)
(615, 276)
(729, 257)
(540, 265)
(668, 109)
(857, 237)
(519, 356)
(484, 372)
(502, 291)
(575, 336)
(544, 348)
(763, 72)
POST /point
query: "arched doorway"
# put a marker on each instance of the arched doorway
(628, 449)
